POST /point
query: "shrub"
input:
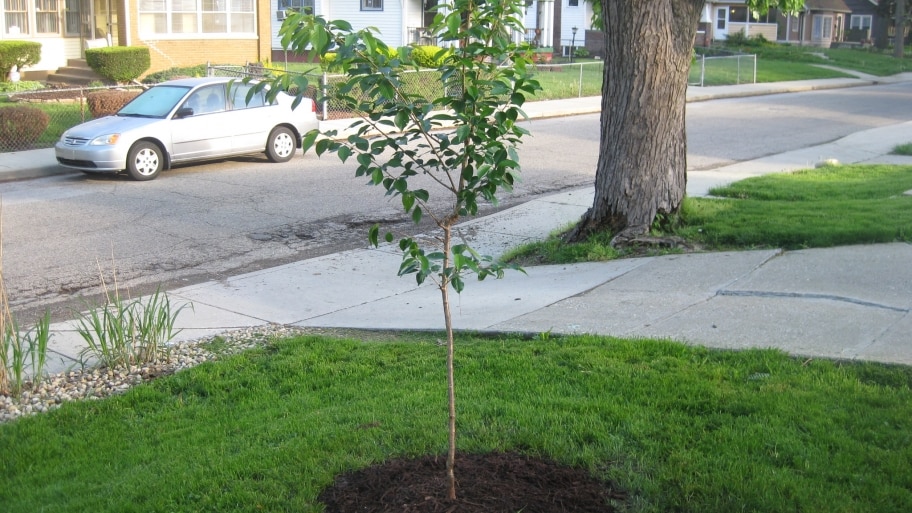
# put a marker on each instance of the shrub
(109, 101)
(17, 53)
(21, 126)
(173, 73)
(740, 39)
(119, 63)
(25, 85)
(428, 56)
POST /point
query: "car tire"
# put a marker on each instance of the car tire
(281, 145)
(145, 161)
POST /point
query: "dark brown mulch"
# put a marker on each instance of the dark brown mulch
(489, 483)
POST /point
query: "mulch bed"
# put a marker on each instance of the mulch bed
(489, 483)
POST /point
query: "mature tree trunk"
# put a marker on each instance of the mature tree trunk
(643, 159)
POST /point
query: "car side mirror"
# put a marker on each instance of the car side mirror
(183, 112)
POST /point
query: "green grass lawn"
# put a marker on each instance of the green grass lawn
(829, 206)
(679, 428)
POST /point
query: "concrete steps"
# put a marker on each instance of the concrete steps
(77, 72)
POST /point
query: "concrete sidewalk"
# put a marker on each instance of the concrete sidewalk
(848, 302)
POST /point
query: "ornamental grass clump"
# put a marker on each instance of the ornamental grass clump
(125, 332)
(21, 354)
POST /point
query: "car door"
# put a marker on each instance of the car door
(255, 118)
(207, 132)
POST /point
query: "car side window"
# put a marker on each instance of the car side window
(214, 98)
(195, 102)
(239, 92)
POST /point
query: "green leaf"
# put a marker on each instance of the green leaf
(457, 283)
(416, 215)
(373, 235)
(402, 119)
(344, 152)
(309, 139)
(453, 22)
(408, 201)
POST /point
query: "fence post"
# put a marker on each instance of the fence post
(702, 70)
(755, 69)
(738, 79)
(579, 94)
(324, 87)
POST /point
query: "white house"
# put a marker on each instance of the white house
(403, 22)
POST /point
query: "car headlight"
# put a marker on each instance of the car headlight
(105, 140)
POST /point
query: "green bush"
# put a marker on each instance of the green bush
(24, 85)
(173, 73)
(428, 56)
(119, 63)
(17, 53)
(21, 126)
(739, 39)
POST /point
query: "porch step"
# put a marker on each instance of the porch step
(76, 72)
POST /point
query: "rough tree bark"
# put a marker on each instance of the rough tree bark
(643, 159)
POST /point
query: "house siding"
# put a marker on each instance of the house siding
(879, 25)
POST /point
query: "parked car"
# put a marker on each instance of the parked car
(187, 120)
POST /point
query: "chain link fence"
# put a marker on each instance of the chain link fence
(36, 119)
(716, 70)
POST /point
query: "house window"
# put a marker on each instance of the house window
(47, 20)
(72, 18)
(740, 15)
(16, 17)
(860, 21)
(371, 5)
(184, 16)
(197, 17)
(822, 28)
(305, 6)
(574, 3)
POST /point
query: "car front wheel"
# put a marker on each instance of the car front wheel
(281, 144)
(144, 161)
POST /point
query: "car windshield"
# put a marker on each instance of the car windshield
(156, 102)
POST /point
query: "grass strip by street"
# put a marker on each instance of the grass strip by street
(823, 207)
(679, 428)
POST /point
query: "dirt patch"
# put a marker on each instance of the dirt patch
(489, 483)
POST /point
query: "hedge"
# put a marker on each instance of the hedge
(428, 56)
(18, 53)
(119, 63)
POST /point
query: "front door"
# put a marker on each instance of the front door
(721, 31)
(89, 20)
(208, 132)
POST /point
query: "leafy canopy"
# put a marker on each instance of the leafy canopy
(461, 141)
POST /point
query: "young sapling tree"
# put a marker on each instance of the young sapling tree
(461, 142)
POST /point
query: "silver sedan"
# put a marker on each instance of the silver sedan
(186, 120)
